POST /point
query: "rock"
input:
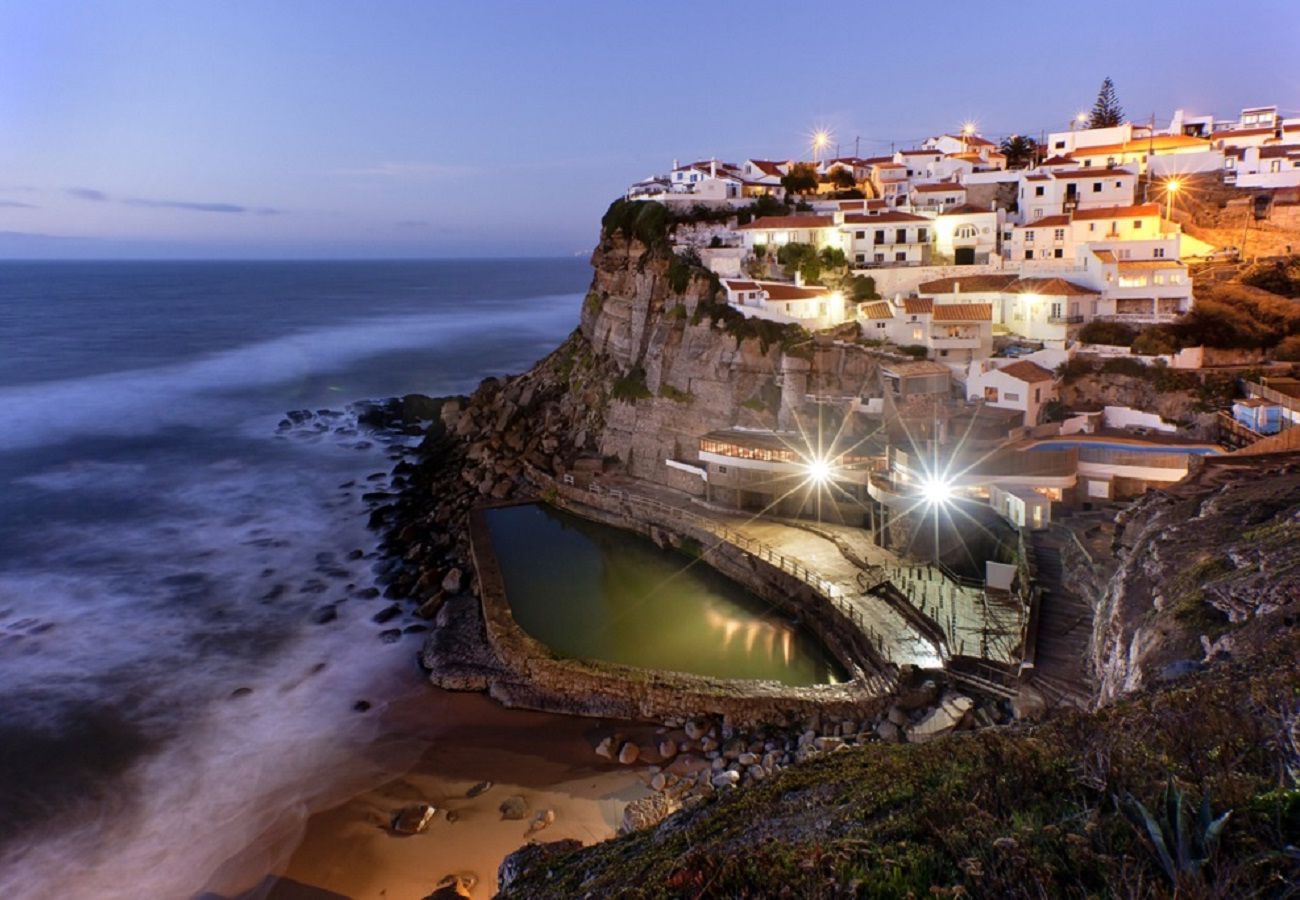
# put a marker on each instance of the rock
(629, 753)
(413, 819)
(942, 719)
(756, 773)
(897, 716)
(747, 759)
(888, 731)
(361, 705)
(919, 695)
(451, 582)
(646, 812)
(388, 612)
(325, 614)
(531, 857)
(452, 891)
(1028, 703)
(667, 749)
(481, 788)
(390, 635)
(726, 779)
(513, 807)
(241, 692)
(605, 749)
(709, 745)
(659, 781)
(543, 819)
(429, 608)
(696, 730)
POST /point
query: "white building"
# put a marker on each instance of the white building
(1132, 232)
(1020, 385)
(888, 238)
(1054, 191)
(776, 231)
(937, 196)
(1039, 309)
(890, 182)
(1270, 166)
(968, 235)
(951, 332)
(812, 307)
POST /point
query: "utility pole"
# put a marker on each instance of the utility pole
(857, 146)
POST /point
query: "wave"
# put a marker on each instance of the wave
(142, 401)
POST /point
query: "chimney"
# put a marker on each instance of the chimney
(798, 278)
(956, 286)
(713, 167)
(675, 164)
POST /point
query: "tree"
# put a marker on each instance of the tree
(1106, 112)
(842, 178)
(1021, 152)
(802, 177)
(862, 287)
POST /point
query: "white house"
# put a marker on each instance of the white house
(937, 196)
(890, 182)
(1020, 385)
(776, 231)
(1140, 291)
(1270, 166)
(812, 307)
(917, 162)
(968, 235)
(951, 332)
(887, 238)
(1054, 191)
(1136, 153)
(959, 144)
(1040, 309)
(1132, 232)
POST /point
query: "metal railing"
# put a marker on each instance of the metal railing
(831, 592)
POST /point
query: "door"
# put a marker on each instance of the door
(964, 256)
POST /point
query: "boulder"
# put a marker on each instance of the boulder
(696, 730)
(629, 753)
(889, 732)
(513, 807)
(544, 818)
(531, 856)
(942, 719)
(646, 812)
(667, 749)
(605, 749)
(413, 819)
(725, 779)
(481, 788)
(451, 582)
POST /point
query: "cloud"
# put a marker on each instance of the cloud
(194, 206)
(89, 194)
(411, 170)
(189, 205)
(14, 204)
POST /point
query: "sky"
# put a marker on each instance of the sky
(439, 128)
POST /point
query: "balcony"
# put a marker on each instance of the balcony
(1065, 320)
(949, 342)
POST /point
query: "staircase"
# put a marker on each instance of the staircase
(1064, 629)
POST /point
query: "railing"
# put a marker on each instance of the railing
(1267, 393)
(1065, 320)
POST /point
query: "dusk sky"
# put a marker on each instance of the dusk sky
(326, 128)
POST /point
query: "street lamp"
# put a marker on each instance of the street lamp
(820, 473)
(1171, 189)
(821, 137)
(936, 491)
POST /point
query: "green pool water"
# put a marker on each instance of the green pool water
(589, 590)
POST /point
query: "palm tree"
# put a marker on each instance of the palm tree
(1021, 152)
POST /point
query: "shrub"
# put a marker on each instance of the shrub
(916, 351)
(760, 251)
(862, 287)
(1075, 368)
(668, 392)
(1155, 341)
(801, 177)
(642, 220)
(631, 387)
(680, 270)
(1100, 331)
(1280, 277)
(1124, 365)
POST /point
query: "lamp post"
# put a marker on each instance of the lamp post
(1171, 189)
(821, 137)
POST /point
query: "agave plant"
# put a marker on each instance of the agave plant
(1182, 847)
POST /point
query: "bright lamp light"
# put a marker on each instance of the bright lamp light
(936, 491)
(819, 470)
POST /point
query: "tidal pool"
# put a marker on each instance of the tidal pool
(588, 590)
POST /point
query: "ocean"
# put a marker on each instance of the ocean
(188, 661)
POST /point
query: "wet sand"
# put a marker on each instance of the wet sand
(348, 850)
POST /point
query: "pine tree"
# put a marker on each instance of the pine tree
(1106, 112)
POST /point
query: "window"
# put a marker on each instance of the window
(921, 235)
(990, 395)
(722, 470)
(1158, 253)
(1011, 397)
(859, 235)
(900, 256)
(1159, 279)
(880, 257)
(1275, 165)
(860, 257)
(880, 236)
(1058, 234)
(1039, 191)
(1096, 187)
(1038, 394)
(1029, 254)
(1056, 310)
(900, 235)
(1137, 223)
(1092, 226)
(1060, 145)
(1125, 253)
(1176, 278)
(918, 334)
(1029, 237)
(1059, 253)
(964, 231)
(1119, 185)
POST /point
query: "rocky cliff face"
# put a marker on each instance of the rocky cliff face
(1210, 567)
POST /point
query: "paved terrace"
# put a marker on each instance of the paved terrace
(914, 613)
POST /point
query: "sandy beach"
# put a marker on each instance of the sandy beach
(348, 851)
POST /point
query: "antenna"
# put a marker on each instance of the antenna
(857, 146)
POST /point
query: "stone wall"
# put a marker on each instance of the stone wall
(535, 678)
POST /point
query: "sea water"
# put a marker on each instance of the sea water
(172, 705)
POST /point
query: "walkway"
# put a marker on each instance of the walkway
(1064, 629)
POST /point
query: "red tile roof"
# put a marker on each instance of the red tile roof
(1118, 212)
(1143, 145)
(889, 216)
(1240, 132)
(877, 311)
(967, 283)
(915, 307)
(774, 222)
(945, 187)
(921, 152)
(1058, 161)
(963, 312)
(1028, 372)
(1047, 222)
(1092, 172)
(1052, 287)
(733, 285)
(778, 291)
(966, 209)
(973, 139)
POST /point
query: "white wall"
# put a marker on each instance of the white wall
(1127, 417)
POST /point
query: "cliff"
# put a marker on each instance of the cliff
(1207, 568)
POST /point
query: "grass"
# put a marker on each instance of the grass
(995, 813)
(631, 386)
(668, 392)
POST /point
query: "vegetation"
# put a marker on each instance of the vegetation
(916, 351)
(742, 328)
(1288, 350)
(1280, 277)
(1099, 331)
(1021, 152)
(763, 206)
(1106, 111)
(643, 221)
(801, 178)
(631, 386)
(861, 288)
(668, 392)
(842, 178)
(1000, 813)
(1155, 342)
